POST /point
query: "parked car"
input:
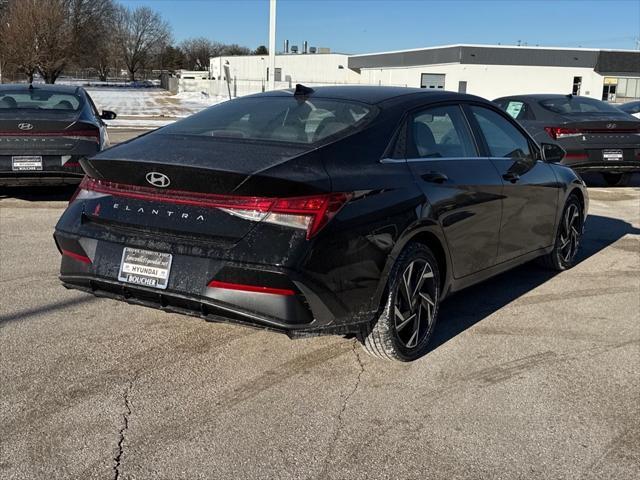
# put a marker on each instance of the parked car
(596, 135)
(358, 224)
(632, 108)
(44, 132)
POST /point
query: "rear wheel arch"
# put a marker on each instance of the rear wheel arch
(577, 192)
(436, 246)
(428, 236)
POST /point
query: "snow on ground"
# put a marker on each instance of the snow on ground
(137, 105)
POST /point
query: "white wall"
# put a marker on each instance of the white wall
(492, 81)
(248, 74)
(318, 68)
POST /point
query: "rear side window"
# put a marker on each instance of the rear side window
(503, 138)
(38, 99)
(441, 132)
(569, 104)
(278, 119)
(517, 109)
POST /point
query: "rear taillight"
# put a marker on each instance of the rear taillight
(250, 288)
(310, 213)
(76, 256)
(561, 132)
(306, 213)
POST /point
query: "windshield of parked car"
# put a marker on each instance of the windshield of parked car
(281, 119)
(564, 105)
(38, 99)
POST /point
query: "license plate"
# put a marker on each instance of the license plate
(142, 267)
(26, 164)
(612, 155)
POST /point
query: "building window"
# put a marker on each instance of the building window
(577, 83)
(462, 87)
(432, 80)
(621, 89)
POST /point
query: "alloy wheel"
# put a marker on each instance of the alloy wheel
(415, 306)
(569, 233)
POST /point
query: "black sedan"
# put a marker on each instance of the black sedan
(632, 108)
(597, 136)
(44, 132)
(344, 210)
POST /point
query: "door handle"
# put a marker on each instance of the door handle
(511, 177)
(435, 177)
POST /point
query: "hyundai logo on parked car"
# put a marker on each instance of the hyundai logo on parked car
(25, 126)
(158, 179)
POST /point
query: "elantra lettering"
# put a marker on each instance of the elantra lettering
(157, 212)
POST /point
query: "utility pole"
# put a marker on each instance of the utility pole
(272, 44)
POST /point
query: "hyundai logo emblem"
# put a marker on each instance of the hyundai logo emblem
(25, 126)
(611, 125)
(158, 179)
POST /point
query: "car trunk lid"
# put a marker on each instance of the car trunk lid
(195, 186)
(597, 129)
(39, 133)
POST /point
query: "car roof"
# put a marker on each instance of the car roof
(544, 96)
(72, 89)
(373, 94)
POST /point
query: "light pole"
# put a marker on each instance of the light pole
(272, 44)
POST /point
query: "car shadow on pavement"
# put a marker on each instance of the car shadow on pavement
(44, 309)
(39, 194)
(468, 307)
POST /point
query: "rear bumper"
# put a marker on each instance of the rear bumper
(42, 178)
(307, 312)
(54, 172)
(617, 167)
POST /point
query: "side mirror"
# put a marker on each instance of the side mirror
(552, 152)
(108, 115)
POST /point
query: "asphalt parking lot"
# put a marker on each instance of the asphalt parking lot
(531, 375)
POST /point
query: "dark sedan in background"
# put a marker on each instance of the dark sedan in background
(632, 108)
(597, 136)
(44, 132)
(344, 210)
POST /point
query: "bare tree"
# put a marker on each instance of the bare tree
(198, 51)
(54, 38)
(3, 46)
(142, 33)
(94, 28)
(235, 49)
(19, 35)
(48, 35)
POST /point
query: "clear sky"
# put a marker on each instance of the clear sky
(360, 26)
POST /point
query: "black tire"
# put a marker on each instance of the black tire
(410, 308)
(616, 179)
(563, 255)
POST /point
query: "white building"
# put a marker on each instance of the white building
(250, 74)
(495, 71)
(489, 71)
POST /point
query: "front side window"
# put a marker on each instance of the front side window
(279, 119)
(502, 137)
(441, 132)
(38, 99)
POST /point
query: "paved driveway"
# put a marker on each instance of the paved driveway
(531, 376)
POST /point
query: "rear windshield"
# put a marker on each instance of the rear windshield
(38, 99)
(577, 105)
(279, 119)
